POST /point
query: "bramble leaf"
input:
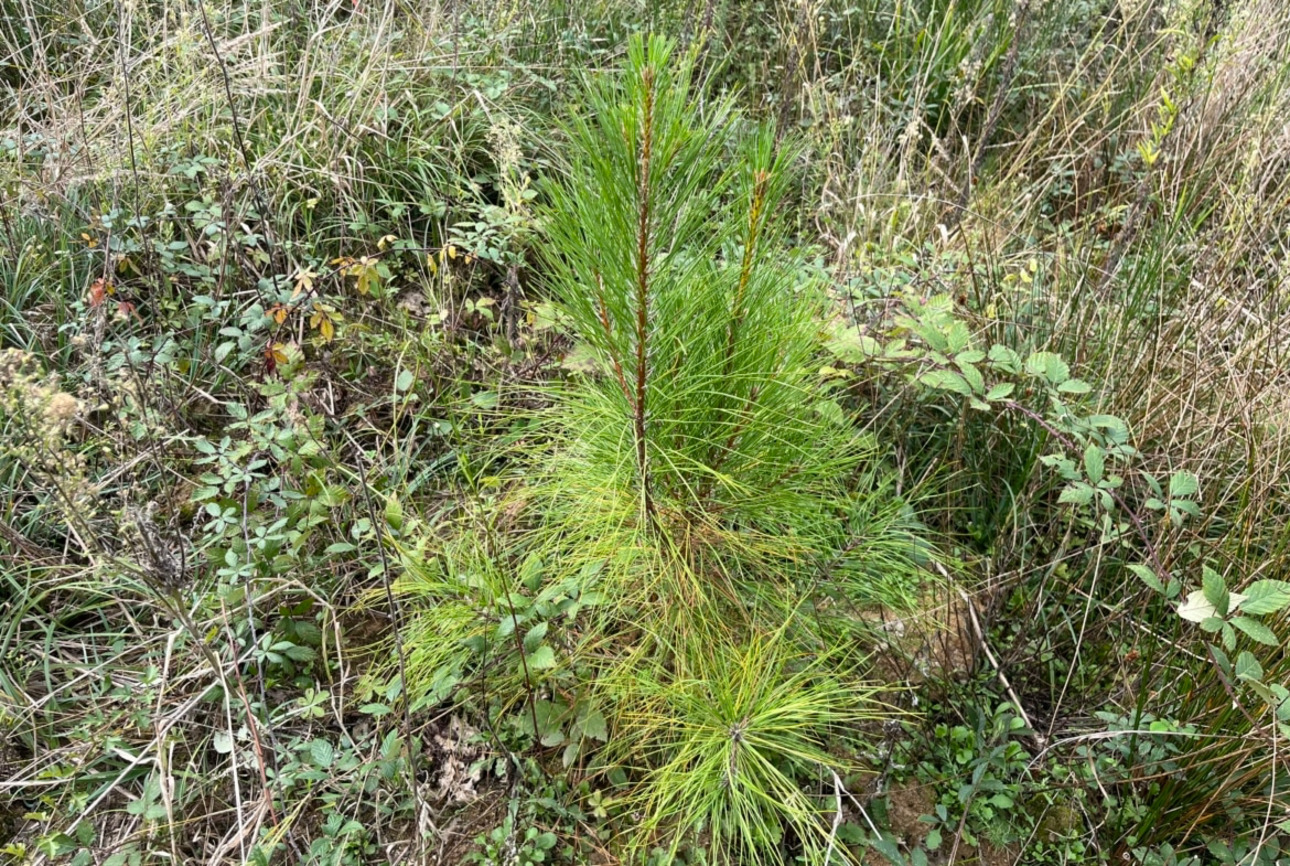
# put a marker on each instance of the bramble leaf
(1183, 484)
(1215, 589)
(1147, 576)
(1256, 630)
(1266, 596)
(1000, 391)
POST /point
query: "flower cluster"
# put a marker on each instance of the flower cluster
(35, 418)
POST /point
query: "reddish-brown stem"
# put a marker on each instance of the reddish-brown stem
(642, 287)
(745, 270)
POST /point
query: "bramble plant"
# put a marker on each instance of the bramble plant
(1092, 455)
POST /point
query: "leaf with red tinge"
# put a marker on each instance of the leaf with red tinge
(99, 290)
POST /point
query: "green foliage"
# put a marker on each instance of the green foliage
(668, 260)
(702, 442)
(357, 343)
(984, 764)
(738, 736)
(693, 496)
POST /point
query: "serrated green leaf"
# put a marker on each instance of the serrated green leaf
(1215, 589)
(1108, 422)
(1147, 576)
(301, 654)
(1000, 391)
(541, 658)
(56, 845)
(404, 380)
(1211, 623)
(1050, 366)
(847, 344)
(946, 380)
(1094, 462)
(394, 513)
(973, 377)
(533, 637)
(957, 337)
(1256, 630)
(1076, 493)
(321, 753)
(1266, 596)
(1183, 484)
(1074, 386)
(1248, 667)
(1005, 359)
(595, 726)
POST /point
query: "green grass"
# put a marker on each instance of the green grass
(495, 529)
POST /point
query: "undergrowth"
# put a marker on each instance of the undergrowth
(681, 432)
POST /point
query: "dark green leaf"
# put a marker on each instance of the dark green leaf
(1215, 589)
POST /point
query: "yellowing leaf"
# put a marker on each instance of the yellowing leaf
(304, 282)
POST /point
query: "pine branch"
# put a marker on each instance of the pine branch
(602, 308)
(641, 407)
(745, 269)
